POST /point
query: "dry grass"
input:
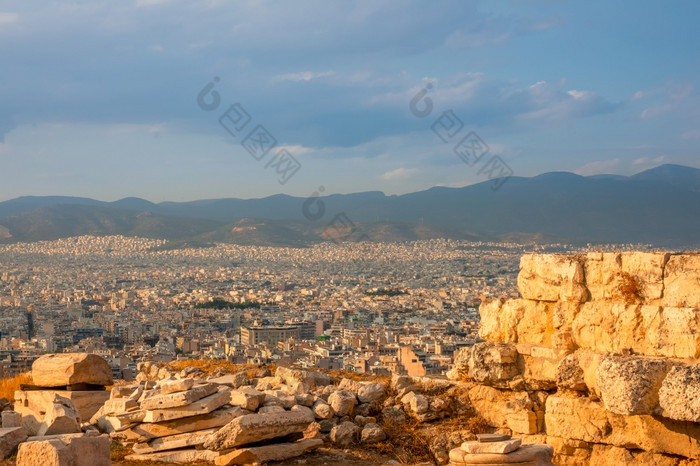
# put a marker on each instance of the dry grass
(358, 376)
(629, 288)
(8, 386)
(211, 366)
(405, 442)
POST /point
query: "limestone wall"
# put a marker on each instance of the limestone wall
(597, 358)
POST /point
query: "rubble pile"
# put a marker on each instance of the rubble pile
(236, 419)
(597, 359)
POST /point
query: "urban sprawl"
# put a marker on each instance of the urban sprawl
(386, 308)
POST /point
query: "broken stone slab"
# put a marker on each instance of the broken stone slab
(146, 431)
(247, 398)
(177, 399)
(56, 370)
(31, 404)
(202, 406)
(264, 454)
(39, 438)
(11, 419)
(531, 455)
(61, 418)
(187, 456)
(78, 451)
(502, 447)
(256, 427)
(121, 421)
(271, 409)
(173, 442)
(310, 378)
(236, 380)
(124, 391)
(177, 385)
(119, 405)
(486, 438)
(10, 437)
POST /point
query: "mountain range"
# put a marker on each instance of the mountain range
(660, 206)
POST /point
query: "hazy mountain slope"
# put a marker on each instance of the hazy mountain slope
(660, 206)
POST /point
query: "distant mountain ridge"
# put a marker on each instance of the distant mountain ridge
(659, 206)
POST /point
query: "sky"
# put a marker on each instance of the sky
(181, 100)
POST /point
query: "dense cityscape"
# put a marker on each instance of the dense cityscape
(386, 308)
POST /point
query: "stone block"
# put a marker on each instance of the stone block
(119, 405)
(682, 281)
(502, 447)
(582, 419)
(493, 363)
(257, 427)
(72, 451)
(55, 370)
(61, 418)
(679, 395)
(186, 456)
(10, 438)
(267, 453)
(173, 442)
(502, 408)
(176, 385)
(202, 406)
(525, 321)
(178, 399)
(490, 327)
(345, 434)
(247, 398)
(145, 431)
(343, 402)
(32, 404)
(11, 419)
(552, 277)
(630, 384)
(530, 455)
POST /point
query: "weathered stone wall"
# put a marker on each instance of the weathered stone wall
(597, 358)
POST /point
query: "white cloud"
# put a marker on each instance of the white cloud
(153, 129)
(692, 134)
(8, 18)
(304, 76)
(598, 167)
(399, 174)
(148, 3)
(295, 149)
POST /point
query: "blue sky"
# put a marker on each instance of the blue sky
(99, 98)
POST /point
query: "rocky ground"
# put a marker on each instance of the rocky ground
(214, 412)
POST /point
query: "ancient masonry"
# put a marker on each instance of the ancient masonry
(597, 359)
